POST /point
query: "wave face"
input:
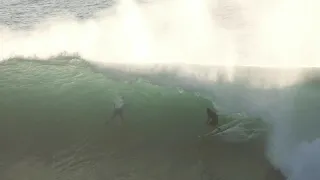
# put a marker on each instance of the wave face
(54, 113)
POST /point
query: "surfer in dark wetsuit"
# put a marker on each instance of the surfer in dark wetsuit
(213, 119)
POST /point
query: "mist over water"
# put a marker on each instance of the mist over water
(280, 34)
(274, 33)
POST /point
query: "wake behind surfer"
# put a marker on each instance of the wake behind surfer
(118, 106)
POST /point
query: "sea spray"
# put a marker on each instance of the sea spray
(189, 32)
(293, 139)
(305, 163)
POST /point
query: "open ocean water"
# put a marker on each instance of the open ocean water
(59, 77)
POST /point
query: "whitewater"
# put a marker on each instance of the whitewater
(64, 62)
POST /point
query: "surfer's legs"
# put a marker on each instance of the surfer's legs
(121, 116)
(117, 112)
(212, 121)
(114, 114)
(208, 120)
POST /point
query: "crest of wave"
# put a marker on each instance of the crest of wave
(228, 33)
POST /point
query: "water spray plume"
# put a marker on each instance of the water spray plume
(195, 32)
(228, 33)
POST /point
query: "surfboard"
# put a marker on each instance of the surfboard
(221, 129)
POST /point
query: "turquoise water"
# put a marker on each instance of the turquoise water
(54, 114)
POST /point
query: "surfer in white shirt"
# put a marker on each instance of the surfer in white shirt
(118, 108)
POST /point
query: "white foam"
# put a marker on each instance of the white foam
(260, 33)
(305, 162)
(291, 113)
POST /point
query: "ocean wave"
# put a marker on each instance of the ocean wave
(68, 97)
